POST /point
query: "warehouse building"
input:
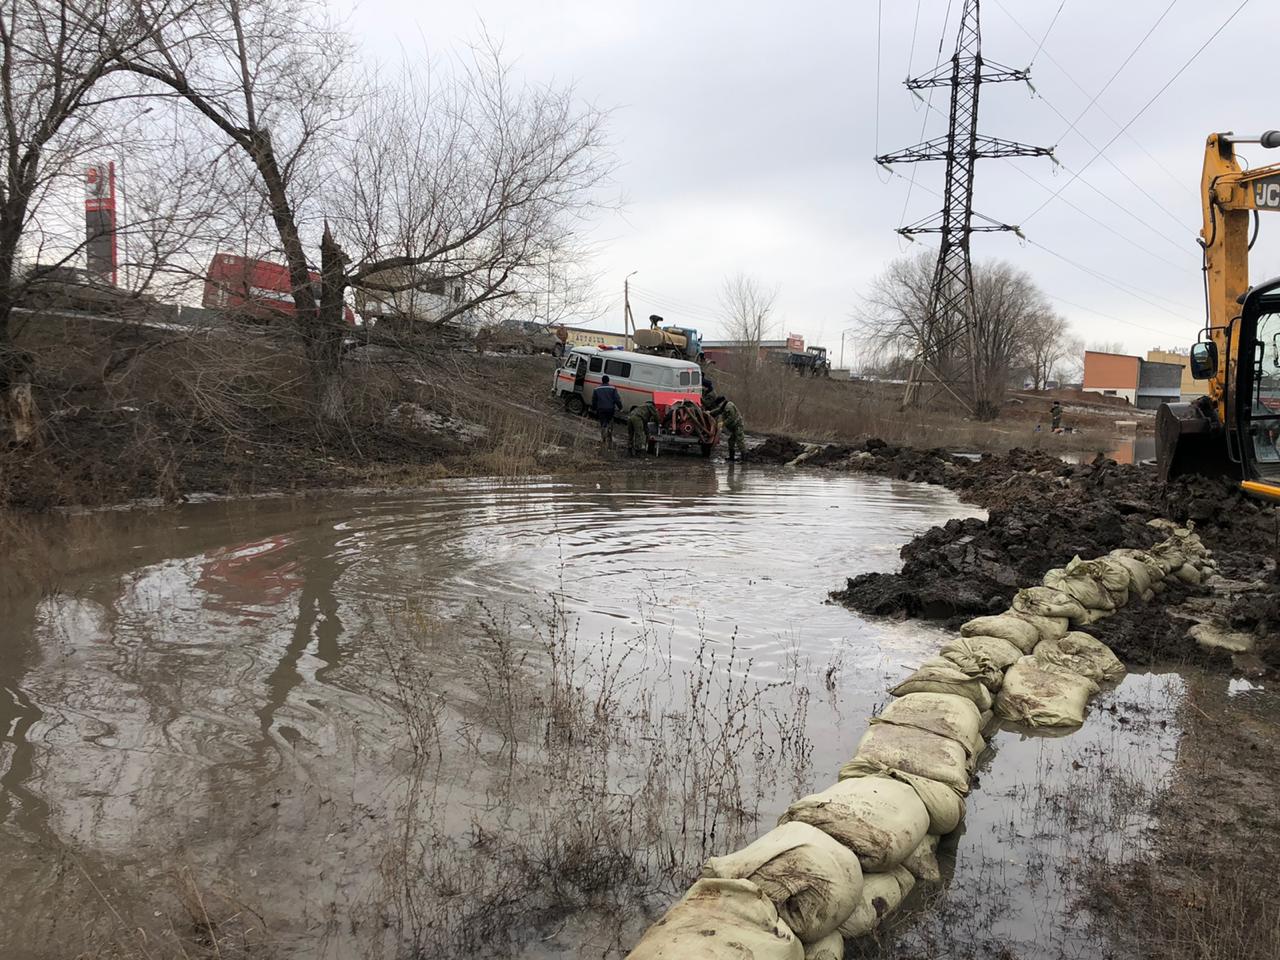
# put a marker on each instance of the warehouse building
(1144, 383)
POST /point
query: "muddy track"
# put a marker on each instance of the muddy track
(1041, 513)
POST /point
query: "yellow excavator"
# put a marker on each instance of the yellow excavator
(1235, 429)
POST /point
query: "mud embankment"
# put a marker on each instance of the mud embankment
(1041, 513)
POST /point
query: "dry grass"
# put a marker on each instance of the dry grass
(775, 400)
(610, 796)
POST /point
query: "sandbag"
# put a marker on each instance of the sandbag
(1082, 654)
(918, 751)
(944, 806)
(939, 675)
(1003, 653)
(1006, 626)
(813, 880)
(1081, 587)
(1047, 602)
(882, 893)
(1041, 695)
(1139, 572)
(945, 714)
(922, 863)
(1188, 574)
(1113, 576)
(720, 920)
(1091, 616)
(830, 947)
(1046, 627)
(878, 818)
(976, 665)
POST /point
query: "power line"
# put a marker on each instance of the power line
(1070, 75)
(1109, 316)
(1120, 69)
(1040, 45)
(1112, 281)
(928, 104)
(1156, 96)
(1118, 205)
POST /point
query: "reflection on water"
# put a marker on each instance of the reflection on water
(206, 685)
(215, 686)
(1140, 448)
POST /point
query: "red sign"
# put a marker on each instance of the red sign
(795, 343)
(100, 219)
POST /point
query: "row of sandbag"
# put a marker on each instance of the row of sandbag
(842, 860)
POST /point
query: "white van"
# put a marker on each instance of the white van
(637, 376)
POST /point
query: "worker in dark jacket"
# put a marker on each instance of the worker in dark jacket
(638, 427)
(731, 423)
(605, 403)
(1055, 416)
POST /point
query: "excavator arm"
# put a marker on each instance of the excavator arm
(1234, 429)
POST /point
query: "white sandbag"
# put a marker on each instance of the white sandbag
(1040, 695)
(830, 947)
(813, 880)
(945, 714)
(882, 893)
(976, 665)
(1047, 602)
(1188, 574)
(944, 806)
(1148, 595)
(1006, 626)
(1047, 628)
(1139, 572)
(1109, 572)
(918, 751)
(1082, 654)
(1090, 616)
(1003, 653)
(923, 861)
(986, 717)
(1081, 587)
(878, 818)
(720, 920)
(939, 675)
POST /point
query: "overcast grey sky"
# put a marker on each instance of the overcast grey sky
(745, 133)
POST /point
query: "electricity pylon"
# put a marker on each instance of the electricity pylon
(951, 316)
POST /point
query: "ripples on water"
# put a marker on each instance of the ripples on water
(207, 683)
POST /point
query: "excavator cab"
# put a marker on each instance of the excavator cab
(1245, 442)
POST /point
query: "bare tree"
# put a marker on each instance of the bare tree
(1107, 346)
(748, 312)
(472, 179)
(1047, 344)
(895, 323)
(55, 58)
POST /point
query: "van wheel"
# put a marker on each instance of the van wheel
(575, 404)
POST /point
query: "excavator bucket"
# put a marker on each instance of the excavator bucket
(1190, 440)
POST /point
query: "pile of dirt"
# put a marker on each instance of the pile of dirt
(1042, 512)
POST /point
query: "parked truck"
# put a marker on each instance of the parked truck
(812, 361)
(681, 343)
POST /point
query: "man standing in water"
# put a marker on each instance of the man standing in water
(731, 423)
(605, 402)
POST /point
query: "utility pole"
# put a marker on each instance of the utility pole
(951, 317)
(628, 322)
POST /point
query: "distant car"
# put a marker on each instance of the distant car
(74, 288)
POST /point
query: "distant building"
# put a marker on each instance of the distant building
(1190, 387)
(1144, 383)
(731, 353)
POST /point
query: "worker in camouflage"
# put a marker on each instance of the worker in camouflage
(638, 427)
(731, 425)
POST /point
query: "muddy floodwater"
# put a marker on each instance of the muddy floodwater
(502, 719)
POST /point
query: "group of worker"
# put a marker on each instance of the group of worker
(606, 403)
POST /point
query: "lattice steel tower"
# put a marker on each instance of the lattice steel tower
(950, 317)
